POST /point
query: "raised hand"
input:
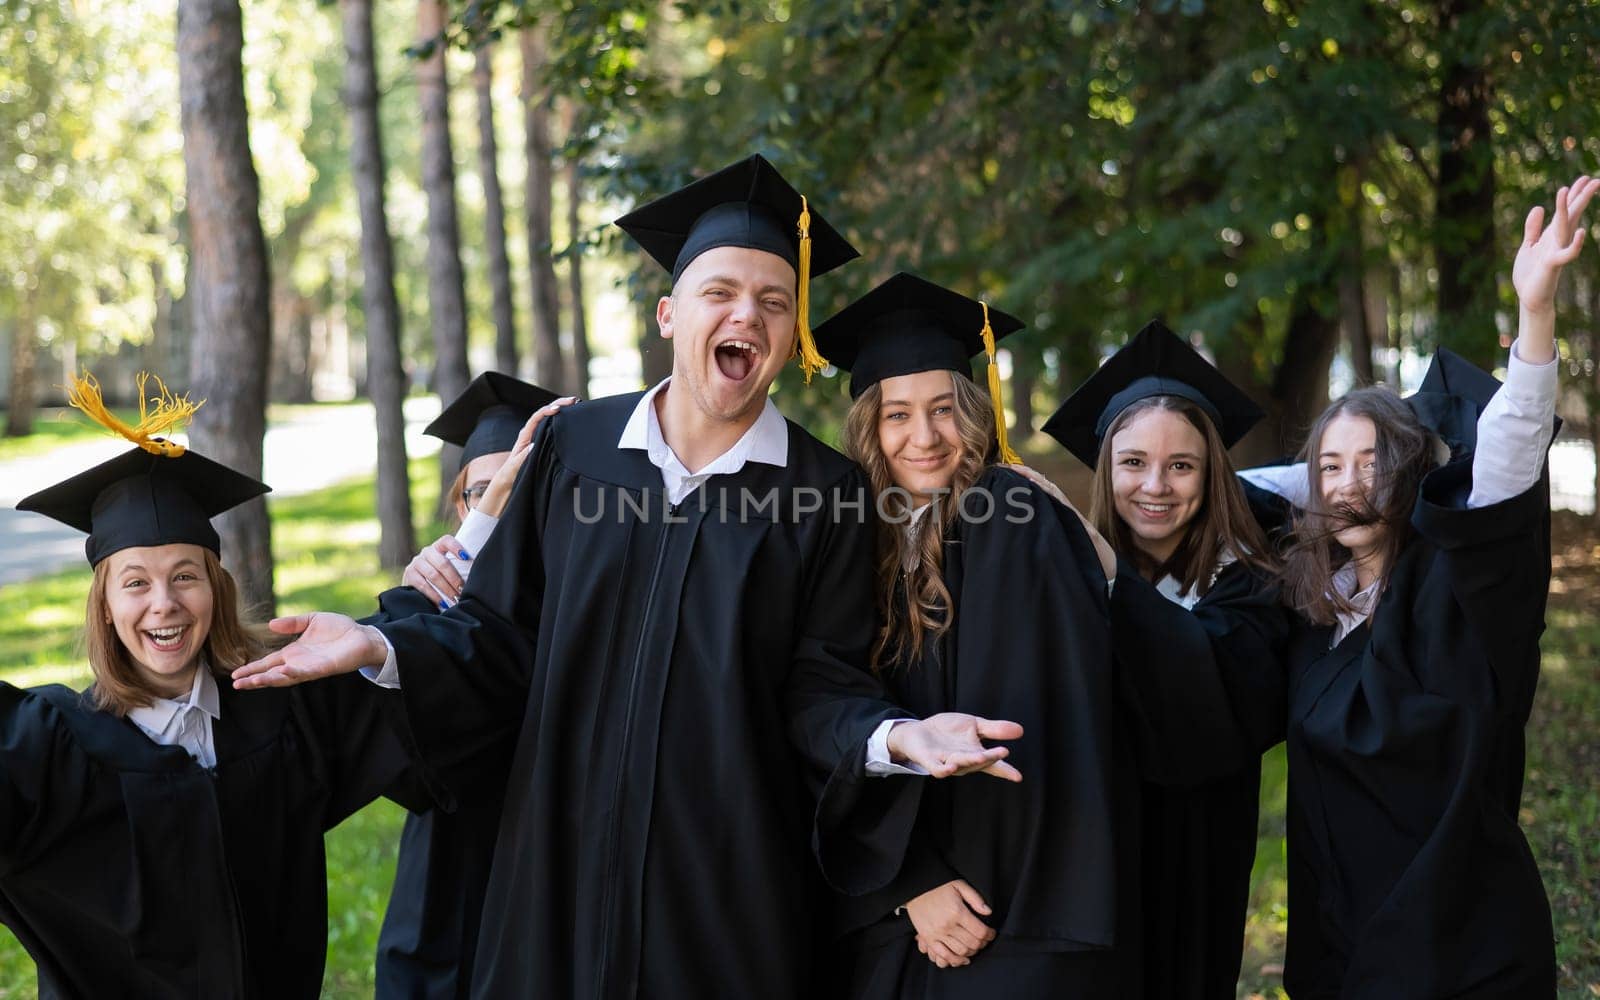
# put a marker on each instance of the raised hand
(432, 572)
(951, 743)
(949, 930)
(329, 644)
(1546, 249)
(499, 491)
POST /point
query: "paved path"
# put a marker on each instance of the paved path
(308, 450)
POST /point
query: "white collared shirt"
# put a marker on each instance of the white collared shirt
(187, 722)
(767, 442)
(1171, 587)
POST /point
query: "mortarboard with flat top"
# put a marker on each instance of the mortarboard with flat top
(488, 415)
(1156, 362)
(908, 324)
(750, 205)
(157, 493)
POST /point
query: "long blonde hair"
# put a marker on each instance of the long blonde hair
(230, 642)
(925, 613)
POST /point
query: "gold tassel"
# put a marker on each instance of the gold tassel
(811, 360)
(169, 411)
(1006, 454)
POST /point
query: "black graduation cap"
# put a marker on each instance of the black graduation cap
(909, 324)
(1156, 362)
(159, 493)
(1451, 398)
(748, 204)
(488, 415)
(905, 325)
(141, 498)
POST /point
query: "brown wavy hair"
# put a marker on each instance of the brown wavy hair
(230, 643)
(1222, 524)
(915, 610)
(1404, 457)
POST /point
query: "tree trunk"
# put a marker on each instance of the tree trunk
(290, 378)
(447, 306)
(385, 379)
(231, 294)
(1300, 385)
(548, 368)
(1024, 377)
(24, 374)
(655, 353)
(579, 383)
(494, 213)
(1464, 246)
(1353, 312)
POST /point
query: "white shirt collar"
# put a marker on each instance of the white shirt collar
(1344, 583)
(1171, 587)
(158, 715)
(767, 442)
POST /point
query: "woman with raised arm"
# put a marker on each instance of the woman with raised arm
(1420, 567)
(161, 834)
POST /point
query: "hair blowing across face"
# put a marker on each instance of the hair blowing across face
(1404, 455)
(924, 614)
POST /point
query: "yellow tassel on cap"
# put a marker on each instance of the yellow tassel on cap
(168, 412)
(811, 360)
(1006, 454)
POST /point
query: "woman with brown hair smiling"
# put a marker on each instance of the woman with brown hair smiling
(1193, 593)
(160, 834)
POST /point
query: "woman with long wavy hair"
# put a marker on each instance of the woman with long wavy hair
(1195, 590)
(160, 834)
(1420, 567)
(991, 600)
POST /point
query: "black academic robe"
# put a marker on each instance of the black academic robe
(430, 930)
(1199, 841)
(1408, 874)
(651, 672)
(128, 870)
(1055, 856)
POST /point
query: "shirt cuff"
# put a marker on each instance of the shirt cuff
(387, 676)
(1514, 431)
(475, 531)
(878, 763)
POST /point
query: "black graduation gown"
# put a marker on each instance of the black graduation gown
(128, 870)
(651, 672)
(1199, 841)
(1408, 874)
(430, 930)
(1055, 856)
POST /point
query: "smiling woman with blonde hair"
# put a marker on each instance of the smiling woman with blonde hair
(200, 811)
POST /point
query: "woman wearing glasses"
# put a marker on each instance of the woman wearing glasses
(430, 931)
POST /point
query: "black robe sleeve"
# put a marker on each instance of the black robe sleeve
(401, 602)
(464, 673)
(356, 727)
(1203, 691)
(42, 773)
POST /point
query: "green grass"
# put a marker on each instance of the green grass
(326, 548)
